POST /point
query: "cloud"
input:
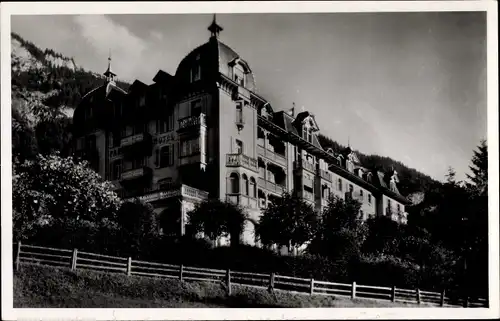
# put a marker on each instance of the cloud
(155, 35)
(103, 34)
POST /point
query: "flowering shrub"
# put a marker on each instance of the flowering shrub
(59, 191)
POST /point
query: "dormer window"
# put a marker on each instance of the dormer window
(142, 101)
(239, 75)
(196, 70)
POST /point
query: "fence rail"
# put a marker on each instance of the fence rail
(74, 259)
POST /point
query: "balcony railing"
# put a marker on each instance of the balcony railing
(307, 196)
(191, 121)
(325, 174)
(193, 192)
(275, 157)
(236, 160)
(174, 191)
(134, 139)
(304, 165)
(136, 173)
(271, 186)
(308, 182)
(243, 200)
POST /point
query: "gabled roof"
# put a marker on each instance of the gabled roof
(305, 115)
(137, 85)
(162, 76)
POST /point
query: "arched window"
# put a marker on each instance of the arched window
(234, 183)
(253, 188)
(245, 184)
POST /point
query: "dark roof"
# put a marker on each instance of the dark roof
(162, 76)
(214, 53)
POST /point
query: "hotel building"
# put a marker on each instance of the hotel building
(205, 131)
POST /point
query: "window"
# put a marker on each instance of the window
(170, 121)
(161, 126)
(142, 101)
(253, 188)
(116, 169)
(309, 136)
(196, 71)
(239, 76)
(139, 162)
(245, 185)
(339, 184)
(239, 112)
(167, 156)
(190, 147)
(139, 128)
(361, 196)
(90, 143)
(196, 107)
(304, 132)
(369, 198)
(165, 184)
(116, 139)
(351, 188)
(234, 184)
(399, 208)
(239, 147)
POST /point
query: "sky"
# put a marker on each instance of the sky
(411, 86)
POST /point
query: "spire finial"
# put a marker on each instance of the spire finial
(214, 28)
(108, 73)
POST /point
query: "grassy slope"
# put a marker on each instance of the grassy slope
(48, 287)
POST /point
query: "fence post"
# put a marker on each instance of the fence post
(353, 290)
(228, 281)
(18, 255)
(74, 257)
(129, 266)
(442, 298)
(271, 282)
(466, 301)
(418, 296)
(393, 294)
(312, 287)
(181, 269)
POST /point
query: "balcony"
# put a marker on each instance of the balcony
(325, 174)
(304, 165)
(308, 182)
(243, 200)
(192, 192)
(237, 160)
(275, 157)
(134, 174)
(191, 122)
(308, 196)
(271, 186)
(139, 144)
(174, 191)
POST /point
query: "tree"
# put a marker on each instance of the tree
(216, 219)
(479, 169)
(59, 195)
(289, 221)
(342, 231)
(138, 229)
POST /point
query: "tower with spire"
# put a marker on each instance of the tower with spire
(214, 28)
(110, 76)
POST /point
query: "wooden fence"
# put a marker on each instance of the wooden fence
(75, 259)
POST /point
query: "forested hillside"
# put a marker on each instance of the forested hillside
(412, 182)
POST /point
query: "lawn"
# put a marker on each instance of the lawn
(49, 287)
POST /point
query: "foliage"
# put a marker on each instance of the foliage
(479, 169)
(217, 219)
(341, 233)
(56, 192)
(138, 229)
(289, 221)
